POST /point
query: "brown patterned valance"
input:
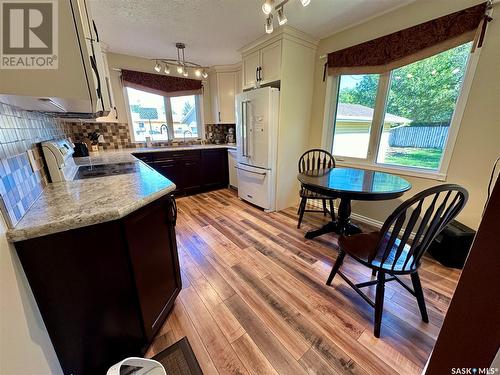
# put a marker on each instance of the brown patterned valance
(409, 45)
(161, 84)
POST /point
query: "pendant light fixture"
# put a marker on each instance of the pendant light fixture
(267, 8)
(181, 65)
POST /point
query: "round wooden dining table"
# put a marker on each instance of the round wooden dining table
(349, 184)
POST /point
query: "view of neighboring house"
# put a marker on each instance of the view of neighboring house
(185, 122)
(150, 121)
(352, 129)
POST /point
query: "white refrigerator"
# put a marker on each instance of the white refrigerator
(257, 141)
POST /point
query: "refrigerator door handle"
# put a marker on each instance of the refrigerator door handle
(246, 170)
(243, 125)
(248, 155)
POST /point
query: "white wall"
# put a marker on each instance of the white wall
(25, 347)
(478, 141)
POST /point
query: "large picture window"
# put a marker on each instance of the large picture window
(163, 118)
(401, 119)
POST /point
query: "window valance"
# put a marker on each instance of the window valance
(412, 44)
(161, 84)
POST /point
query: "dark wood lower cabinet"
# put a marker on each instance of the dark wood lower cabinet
(192, 171)
(191, 175)
(171, 170)
(104, 290)
(214, 169)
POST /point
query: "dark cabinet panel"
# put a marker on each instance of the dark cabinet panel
(214, 168)
(104, 290)
(85, 292)
(145, 157)
(171, 169)
(191, 171)
(153, 252)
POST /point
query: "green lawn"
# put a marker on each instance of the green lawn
(414, 157)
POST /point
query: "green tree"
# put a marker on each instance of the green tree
(425, 91)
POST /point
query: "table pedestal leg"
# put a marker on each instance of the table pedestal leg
(342, 226)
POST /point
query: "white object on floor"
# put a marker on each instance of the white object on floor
(137, 366)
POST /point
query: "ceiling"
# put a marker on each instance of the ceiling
(214, 30)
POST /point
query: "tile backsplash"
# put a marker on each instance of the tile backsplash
(20, 185)
(117, 135)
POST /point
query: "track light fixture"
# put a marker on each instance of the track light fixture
(281, 16)
(267, 8)
(269, 24)
(180, 64)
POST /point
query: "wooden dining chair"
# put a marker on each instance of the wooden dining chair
(390, 253)
(313, 160)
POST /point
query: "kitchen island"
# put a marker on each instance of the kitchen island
(100, 256)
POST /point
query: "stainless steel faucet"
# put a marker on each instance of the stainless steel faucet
(187, 131)
(163, 126)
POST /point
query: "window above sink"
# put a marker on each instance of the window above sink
(163, 118)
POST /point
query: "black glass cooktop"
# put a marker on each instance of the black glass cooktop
(103, 170)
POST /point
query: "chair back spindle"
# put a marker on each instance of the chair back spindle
(316, 159)
(443, 203)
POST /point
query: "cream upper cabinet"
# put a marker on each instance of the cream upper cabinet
(270, 63)
(262, 66)
(251, 63)
(239, 87)
(224, 86)
(226, 82)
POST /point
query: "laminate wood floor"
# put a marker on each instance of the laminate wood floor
(254, 299)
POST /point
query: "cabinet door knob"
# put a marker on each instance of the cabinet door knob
(219, 116)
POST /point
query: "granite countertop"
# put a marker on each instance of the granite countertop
(124, 155)
(73, 204)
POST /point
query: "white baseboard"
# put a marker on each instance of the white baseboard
(368, 220)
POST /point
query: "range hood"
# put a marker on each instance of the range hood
(54, 107)
(79, 88)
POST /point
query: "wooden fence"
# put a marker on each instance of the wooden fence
(419, 136)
